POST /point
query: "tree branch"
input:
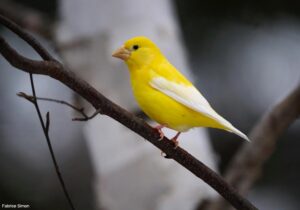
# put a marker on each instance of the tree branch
(26, 37)
(57, 71)
(246, 166)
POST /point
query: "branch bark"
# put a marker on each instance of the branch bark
(56, 70)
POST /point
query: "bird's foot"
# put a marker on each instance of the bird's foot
(161, 134)
(175, 141)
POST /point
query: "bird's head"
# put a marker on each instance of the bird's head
(137, 52)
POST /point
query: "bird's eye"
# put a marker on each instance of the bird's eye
(135, 47)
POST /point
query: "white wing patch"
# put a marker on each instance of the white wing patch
(192, 98)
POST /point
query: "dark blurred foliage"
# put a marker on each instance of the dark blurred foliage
(202, 22)
(48, 7)
(198, 18)
(247, 10)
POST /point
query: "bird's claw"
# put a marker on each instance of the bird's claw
(174, 140)
(161, 134)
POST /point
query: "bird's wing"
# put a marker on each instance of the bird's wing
(193, 99)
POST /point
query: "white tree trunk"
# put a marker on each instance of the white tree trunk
(130, 173)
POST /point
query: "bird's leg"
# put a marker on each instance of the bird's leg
(161, 134)
(174, 140)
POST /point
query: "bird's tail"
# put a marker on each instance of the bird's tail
(225, 125)
(232, 129)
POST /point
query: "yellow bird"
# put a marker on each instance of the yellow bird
(164, 94)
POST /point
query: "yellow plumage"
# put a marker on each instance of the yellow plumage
(163, 93)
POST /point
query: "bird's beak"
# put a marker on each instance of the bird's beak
(122, 53)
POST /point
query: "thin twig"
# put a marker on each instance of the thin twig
(86, 118)
(46, 133)
(57, 71)
(29, 97)
(80, 110)
(47, 121)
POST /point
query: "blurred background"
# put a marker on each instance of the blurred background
(244, 56)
